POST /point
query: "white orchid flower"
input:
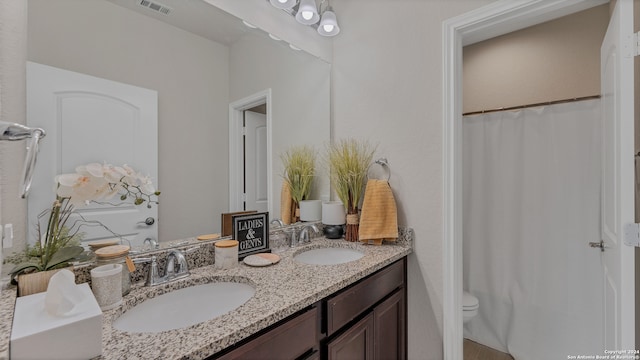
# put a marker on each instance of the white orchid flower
(146, 185)
(94, 169)
(94, 182)
(82, 187)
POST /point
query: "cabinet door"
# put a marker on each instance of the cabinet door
(357, 343)
(290, 340)
(390, 330)
(349, 303)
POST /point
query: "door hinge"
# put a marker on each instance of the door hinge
(634, 45)
(244, 131)
(244, 197)
(631, 234)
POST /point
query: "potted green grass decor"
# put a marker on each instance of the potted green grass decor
(348, 161)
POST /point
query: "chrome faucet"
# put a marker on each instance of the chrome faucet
(292, 233)
(176, 268)
(304, 234)
(153, 275)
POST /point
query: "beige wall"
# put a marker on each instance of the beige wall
(559, 59)
(190, 74)
(13, 37)
(387, 87)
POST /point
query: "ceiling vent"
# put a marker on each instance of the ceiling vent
(155, 6)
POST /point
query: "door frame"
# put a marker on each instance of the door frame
(236, 149)
(494, 19)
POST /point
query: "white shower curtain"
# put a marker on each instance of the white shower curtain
(531, 195)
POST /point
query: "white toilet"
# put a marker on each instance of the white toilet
(470, 306)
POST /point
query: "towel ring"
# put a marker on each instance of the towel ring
(385, 165)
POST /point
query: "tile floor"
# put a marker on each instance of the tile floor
(475, 351)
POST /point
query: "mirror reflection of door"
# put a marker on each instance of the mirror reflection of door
(255, 159)
(90, 119)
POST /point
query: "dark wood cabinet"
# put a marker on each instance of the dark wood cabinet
(389, 319)
(380, 302)
(355, 343)
(366, 320)
(380, 335)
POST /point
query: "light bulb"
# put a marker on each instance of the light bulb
(328, 24)
(283, 4)
(307, 15)
(307, 12)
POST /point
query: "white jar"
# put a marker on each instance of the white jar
(310, 210)
(106, 283)
(226, 254)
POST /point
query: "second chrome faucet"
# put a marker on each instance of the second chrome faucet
(299, 238)
(176, 267)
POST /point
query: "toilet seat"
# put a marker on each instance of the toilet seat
(469, 302)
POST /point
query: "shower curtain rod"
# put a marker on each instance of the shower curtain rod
(533, 105)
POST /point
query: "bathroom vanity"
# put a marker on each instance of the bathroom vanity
(299, 310)
(366, 320)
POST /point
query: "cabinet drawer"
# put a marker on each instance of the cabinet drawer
(351, 302)
(289, 340)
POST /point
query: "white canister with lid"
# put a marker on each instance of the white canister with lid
(226, 254)
(116, 254)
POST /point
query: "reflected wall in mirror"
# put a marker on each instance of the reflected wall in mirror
(198, 65)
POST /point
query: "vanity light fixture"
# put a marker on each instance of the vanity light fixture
(328, 24)
(274, 37)
(307, 12)
(283, 4)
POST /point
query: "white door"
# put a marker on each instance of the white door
(255, 162)
(88, 119)
(618, 177)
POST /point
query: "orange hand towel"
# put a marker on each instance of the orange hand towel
(379, 217)
(286, 202)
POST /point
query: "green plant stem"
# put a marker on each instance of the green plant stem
(52, 228)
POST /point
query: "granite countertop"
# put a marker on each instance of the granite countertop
(281, 290)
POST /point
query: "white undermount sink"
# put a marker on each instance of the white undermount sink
(184, 307)
(328, 256)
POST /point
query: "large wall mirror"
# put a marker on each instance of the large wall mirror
(200, 60)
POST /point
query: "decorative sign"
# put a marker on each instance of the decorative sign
(252, 233)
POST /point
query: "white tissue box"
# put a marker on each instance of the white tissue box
(38, 335)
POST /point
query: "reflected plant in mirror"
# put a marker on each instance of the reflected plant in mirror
(299, 170)
(58, 241)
